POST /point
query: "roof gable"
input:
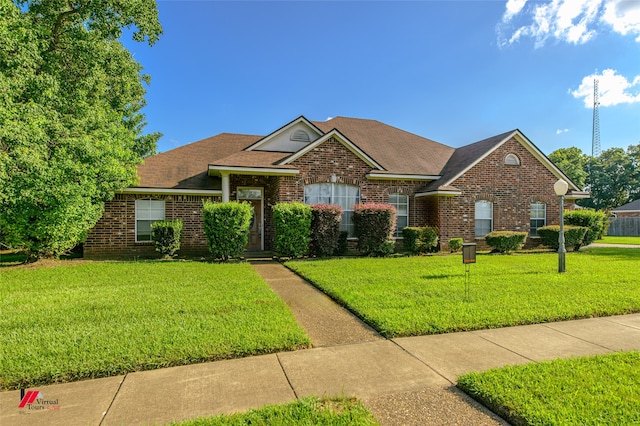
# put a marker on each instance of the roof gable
(468, 156)
(341, 139)
(291, 137)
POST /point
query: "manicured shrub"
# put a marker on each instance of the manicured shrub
(595, 221)
(293, 228)
(506, 241)
(166, 236)
(419, 239)
(343, 246)
(455, 244)
(325, 229)
(374, 225)
(573, 236)
(226, 226)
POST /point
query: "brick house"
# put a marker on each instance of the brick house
(501, 183)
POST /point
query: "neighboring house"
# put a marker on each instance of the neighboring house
(626, 220)
(501, 183)
(631, 209)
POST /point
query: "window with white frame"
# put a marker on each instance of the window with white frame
(346, 196)
(483, 218)
(538, 217)
(401, 203)
(147, 212)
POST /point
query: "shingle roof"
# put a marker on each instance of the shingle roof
(187, 167)
(463, 158)
(633, 206)
(396, 150)
(254, 159)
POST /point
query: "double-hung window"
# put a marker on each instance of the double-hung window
(147, 212)
(538, 217)
(483, 218)
(401, 203)
(346, 196)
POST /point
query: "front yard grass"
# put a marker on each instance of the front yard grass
(581, 391)
(619, 240)
(306, 411)
(94, 320)
(425, 295)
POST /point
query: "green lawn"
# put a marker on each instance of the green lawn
(425, 295)
(582, 391)
(93, 320)
(619, 240)
(307, 411)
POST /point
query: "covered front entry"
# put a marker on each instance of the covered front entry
(254, 196)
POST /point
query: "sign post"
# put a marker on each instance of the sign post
(468, 257)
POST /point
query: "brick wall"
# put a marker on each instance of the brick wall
(114, 234)
(510, 188)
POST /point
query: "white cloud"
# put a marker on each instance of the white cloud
(623, 16)
(613, 89)
(560, 131)
(571, 21)
(513, 8)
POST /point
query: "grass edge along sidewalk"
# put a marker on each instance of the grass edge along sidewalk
(591, 390)
(92, 320)
(306, 411)
(412, 296)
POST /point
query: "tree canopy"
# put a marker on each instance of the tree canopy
(70, 115)
(613, 178)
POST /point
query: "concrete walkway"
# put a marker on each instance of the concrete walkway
(403, 381)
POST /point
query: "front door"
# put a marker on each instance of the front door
(255, 231)
(254, 197)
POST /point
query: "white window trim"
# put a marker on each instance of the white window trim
(399, 236)
(332, 200)
(530, 218)
(164, 216)
(475, 218)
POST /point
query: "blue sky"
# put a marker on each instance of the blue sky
(452, 71)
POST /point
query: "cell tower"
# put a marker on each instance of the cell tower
(595, 137)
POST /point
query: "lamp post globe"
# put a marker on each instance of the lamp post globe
(560, 188)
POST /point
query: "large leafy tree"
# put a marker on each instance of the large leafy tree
(613, 178)
(573, 162)
(70, 115)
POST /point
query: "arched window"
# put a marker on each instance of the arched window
(401, 203)
(483, 218)
(147, 212)
(538, 217)
(346, 196)
(512, 160)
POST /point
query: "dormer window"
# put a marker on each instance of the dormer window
(299, 136)
(512, 160)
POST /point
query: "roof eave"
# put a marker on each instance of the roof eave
(175, 191)
(438, 193)
(253, 171)
(400, 176)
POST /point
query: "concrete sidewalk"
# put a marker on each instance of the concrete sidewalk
(372, 371)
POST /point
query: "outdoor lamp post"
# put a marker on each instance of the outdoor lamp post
(560, 187)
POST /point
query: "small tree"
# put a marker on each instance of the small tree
(226, 226)
(293, 228)
(166, 236)
(374, 225)
(325, 229)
